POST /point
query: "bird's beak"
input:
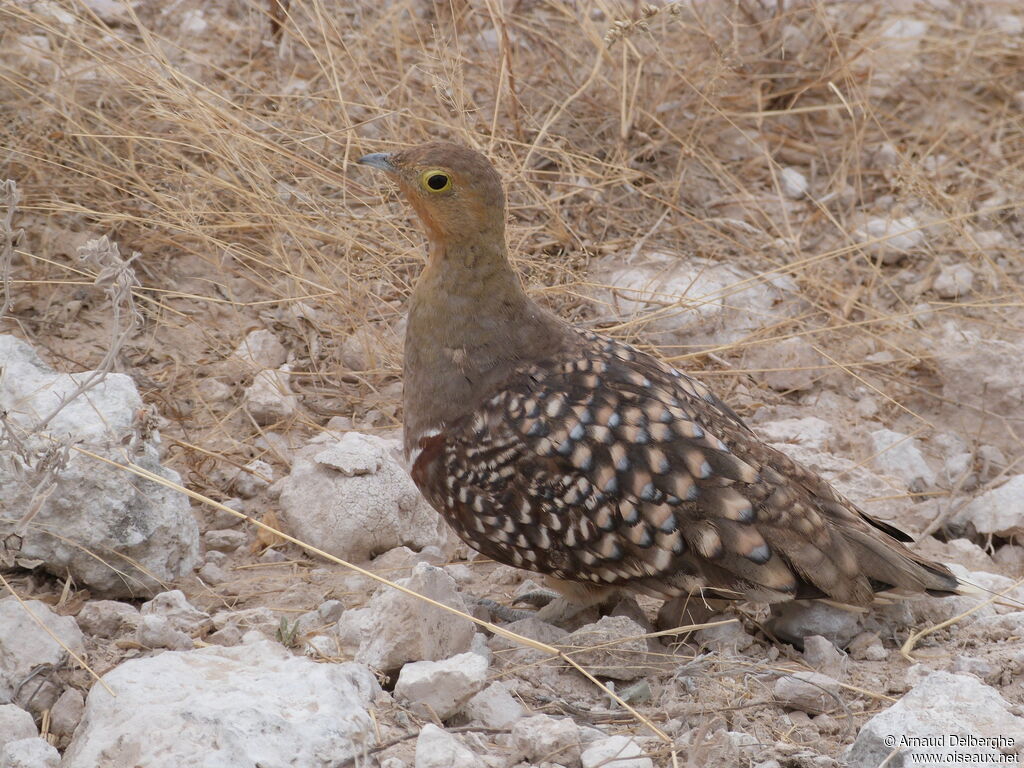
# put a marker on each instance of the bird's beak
(380, 160)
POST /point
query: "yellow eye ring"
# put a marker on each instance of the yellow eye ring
(436, 181)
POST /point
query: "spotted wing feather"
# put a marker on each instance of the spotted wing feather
(606, 466)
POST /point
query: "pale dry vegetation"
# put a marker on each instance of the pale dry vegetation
(224, 155)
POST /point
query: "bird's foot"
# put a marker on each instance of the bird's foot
(538, 598)
(504, 612)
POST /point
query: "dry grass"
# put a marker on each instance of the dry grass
(224, 157)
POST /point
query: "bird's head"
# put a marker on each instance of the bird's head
(455, 190)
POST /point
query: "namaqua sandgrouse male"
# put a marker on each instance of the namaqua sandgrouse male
(558, 450)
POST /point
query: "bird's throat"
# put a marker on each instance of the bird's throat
(472, 322)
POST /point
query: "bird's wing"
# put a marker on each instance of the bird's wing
(605, 465)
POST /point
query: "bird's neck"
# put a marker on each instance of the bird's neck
(470, 323)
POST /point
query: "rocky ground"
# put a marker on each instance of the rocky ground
(812, 206)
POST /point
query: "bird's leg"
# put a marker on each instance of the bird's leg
(573, 598)
(538, 598)
(565, 601)
(503, 612)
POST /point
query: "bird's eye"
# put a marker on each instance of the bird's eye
(437, 181)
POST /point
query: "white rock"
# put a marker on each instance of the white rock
(531, 627)
(248, 619)
(227, 540)
(809, 692)
(15, 724)
(810, 431)
(182, 615)
(494, 707)
(979, 371)
(213, 574)
(436, 748)
(228, 637)
(441, 688)
(372, 347)
(613, 646)
(867, 646)
(67, 712)
(620, 751)
(982, 669)
(942, 705)
(728, 638)
(691, 302)
(107, 618)
(794, 183)
(29, 753)
(158, 632)
(547, 738)
(269, 398)
(321, 647)
(1009, 24)
(824, 657)
(890, 239)
(1011, 558)
(323, 617)
(355, 501)
(262, 350)
(109, 11)
(24, 644)
(791, 365)
(954, 281)
(105, 519)
(999, 512)
(252, 479)
(900, 455)
(893, 52)
(193, 22)
(394, 628)
(795, 621)
(353, 454)
(212, 390)
(226, 707)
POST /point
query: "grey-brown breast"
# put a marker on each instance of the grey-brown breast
(604, 465)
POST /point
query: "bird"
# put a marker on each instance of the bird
(554, 449)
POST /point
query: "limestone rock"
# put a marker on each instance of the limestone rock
(809, 692)
(691, 302)
(441, 688)
(98, 521)
(261, 349)
(542, 737)
(107, 618)
(900, 455)
(999, 512)
(620, 751)
(612, 647)
(436, 748)
(226, 707)
(16, 724)
(269, 398)
(182, 615)
(394, 628)
(954, 282)
(946, 706)
(29, 753)
(24, 644)
(494, 707)
(353, 499)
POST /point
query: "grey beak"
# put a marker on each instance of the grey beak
(380, 160)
